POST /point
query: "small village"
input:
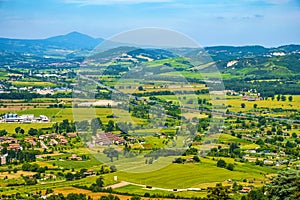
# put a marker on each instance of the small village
(41, 142)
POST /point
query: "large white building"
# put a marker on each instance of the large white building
(24, 118)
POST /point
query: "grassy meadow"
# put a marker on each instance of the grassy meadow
(234, 104)
(194, 175)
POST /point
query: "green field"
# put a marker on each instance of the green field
(59, 114)
(193, 175)
(225, 138)
(61, 160)
(33, 84)
(10, 127)
(235, 103)
(53, 184)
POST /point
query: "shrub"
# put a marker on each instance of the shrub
(230, 166)
(221, 163)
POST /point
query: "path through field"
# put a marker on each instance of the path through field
(125, 183)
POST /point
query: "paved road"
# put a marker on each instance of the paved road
(124, 183)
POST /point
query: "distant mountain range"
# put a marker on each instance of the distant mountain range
(79, 42)
(70, 41)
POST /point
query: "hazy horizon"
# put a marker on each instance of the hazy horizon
(268, 23)
(42, 38)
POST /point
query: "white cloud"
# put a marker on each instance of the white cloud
(107, 2)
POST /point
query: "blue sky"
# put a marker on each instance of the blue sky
(210, 22)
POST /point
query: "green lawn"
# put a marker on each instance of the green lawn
(226, 138)
(86, 164)
(192, 175)
(10, 127)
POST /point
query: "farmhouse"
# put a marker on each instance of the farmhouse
(245, 190)
(108, 138)
(53, 142)
(46, 136)
(248, 98)
(14, 146)
(268, 162)
(72, 135)
(90, 172)
(75, 157)
(63, 141)
(31, 140)
(49, 176)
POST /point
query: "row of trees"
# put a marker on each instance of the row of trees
(265, 88)
(96, 124)
(16, 157)
(283, 98)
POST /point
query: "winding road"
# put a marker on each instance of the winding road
(125, 183)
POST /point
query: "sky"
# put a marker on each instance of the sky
(209, 22)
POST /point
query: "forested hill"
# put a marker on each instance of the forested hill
(70, 41)
(79, 41)
(231, 52)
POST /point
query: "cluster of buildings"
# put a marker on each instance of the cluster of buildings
(12, 144)
(23, 118)
(7, 89)
(271, 159)
(51, 91)
(52, 139)
(75, 157)
(105, 139)
(55, 139)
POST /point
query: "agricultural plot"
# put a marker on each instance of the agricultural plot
(59, 114)
(184, 74)
(184, 99)
(192, 175)
(64, 163)
(33, 84)
(10, 127)
(95, 195)
(235, 104)
(53, 185)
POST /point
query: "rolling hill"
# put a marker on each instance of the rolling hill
(70, 41)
